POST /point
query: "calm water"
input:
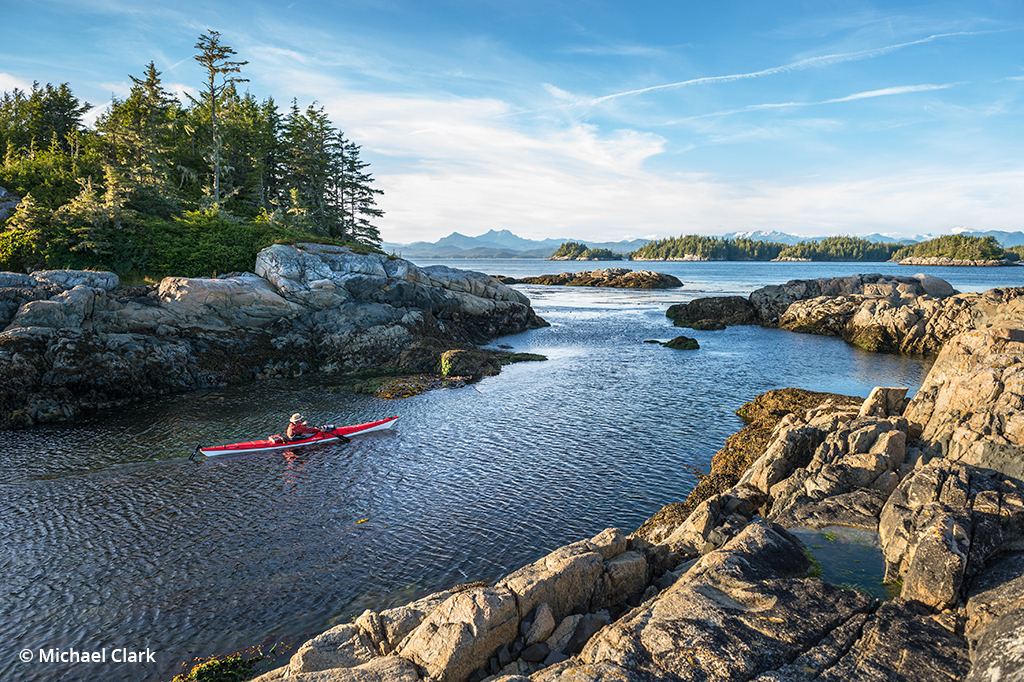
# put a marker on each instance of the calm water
(110, 537)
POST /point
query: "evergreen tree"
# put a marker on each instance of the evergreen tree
(313, 167)
(23, 240)
(359, 198)
(252, 152)
(94, 217)
(213, 57)
(138, 132)
(35, 119)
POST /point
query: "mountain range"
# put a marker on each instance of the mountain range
(505, 244)
(498, 244)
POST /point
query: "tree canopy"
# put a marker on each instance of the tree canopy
(579, 251)
(956, 246)
(152, 166)
(709, 248)
(839, 249)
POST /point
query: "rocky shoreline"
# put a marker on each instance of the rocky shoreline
(729, 592)
(889, 314)
(957, 262)
(73, 340)
(721, 588)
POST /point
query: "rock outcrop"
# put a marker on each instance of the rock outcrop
(971, 406)
(74, 340)
(715, 312)
(620, 278)
(892, 314)
(729, 593)
(773, 301)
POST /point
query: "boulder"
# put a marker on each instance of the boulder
(934, 286)
(740, 611)
(970, 408)
(541, 627)
(245, 301)
(847, 480)
(462, 633)
(623, 576)
(901, 641)
(942, 525)
(995, 620)
(884, 402)
(713, 312)
(385, 669)
(471, 362)
(893, 314)
(344, 646)
(564, 579)
(996, 592)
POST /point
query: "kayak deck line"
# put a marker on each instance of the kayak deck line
(269, 445)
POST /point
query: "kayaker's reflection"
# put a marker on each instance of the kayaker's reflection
(299, 428)
(294, 466)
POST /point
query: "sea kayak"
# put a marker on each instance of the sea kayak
(279, 443)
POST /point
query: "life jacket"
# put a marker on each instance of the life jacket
(299, 431)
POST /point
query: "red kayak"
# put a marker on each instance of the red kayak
(280, 443)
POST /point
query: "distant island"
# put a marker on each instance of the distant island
(748, 246)
(578, 251)
(956, 249)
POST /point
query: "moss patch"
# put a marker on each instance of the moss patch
(231, 668)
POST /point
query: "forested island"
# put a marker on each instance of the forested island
(840, 248)
(579, 251)
(161, 187)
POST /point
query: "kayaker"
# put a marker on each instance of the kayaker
(299, 428)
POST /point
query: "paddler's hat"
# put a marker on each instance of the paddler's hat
(296, 418)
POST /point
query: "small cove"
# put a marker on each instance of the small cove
(111, 537)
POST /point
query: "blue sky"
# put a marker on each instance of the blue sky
(608, 120)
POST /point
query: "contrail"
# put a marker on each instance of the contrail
(883, 92)
(824, 60)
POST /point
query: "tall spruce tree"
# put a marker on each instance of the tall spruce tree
(314, 163)
(214, 59)
(138, 131)
(359, 197)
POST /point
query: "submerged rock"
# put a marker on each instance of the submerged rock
(682, 343)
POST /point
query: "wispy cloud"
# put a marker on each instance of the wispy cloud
(882, 92)
(617, 51)
(810, 62)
